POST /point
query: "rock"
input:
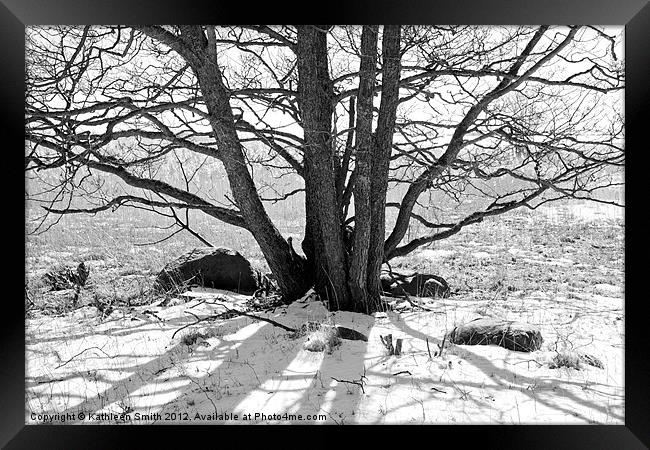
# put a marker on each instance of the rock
(62, 278)
(213, 267)
(337, 330)
(415, 285)
(517, 336)
(427, 285)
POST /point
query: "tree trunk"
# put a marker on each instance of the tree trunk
(363, 165)
(348, 283)
(381, 156)
(289, 270)
(324, 226)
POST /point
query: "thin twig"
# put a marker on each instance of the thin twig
(442, 347)
(83, 351)
(203, 319)
(415, 305)
(199, 303)
(357, 382)
(234, 311)
(205, 392)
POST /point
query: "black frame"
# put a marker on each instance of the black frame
(634, 14)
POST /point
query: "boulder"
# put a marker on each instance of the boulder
(213, 267)
(517, 336)
(415, 285)
(62, 278)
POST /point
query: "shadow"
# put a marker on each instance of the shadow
(337, 399)
(167, 376)
(306, 387)
(256, 368)
(153, 325)
(505, 380)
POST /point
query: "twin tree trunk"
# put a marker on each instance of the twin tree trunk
(348, 277)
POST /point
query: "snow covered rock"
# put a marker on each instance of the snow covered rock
(517, 336)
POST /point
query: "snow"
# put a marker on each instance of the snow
(130, 365)
(588, 212)
(435, 255)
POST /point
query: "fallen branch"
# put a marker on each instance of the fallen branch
(199, 303)
(50, 381)
(528, 361)
(203, 319)
(236, 312)
(263, 319)
(403, 371)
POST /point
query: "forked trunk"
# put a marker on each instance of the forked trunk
(324, 243)
(348, 281)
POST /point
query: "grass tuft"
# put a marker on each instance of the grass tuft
(323, 339)
(565, 359)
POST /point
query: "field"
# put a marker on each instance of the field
(560, 267)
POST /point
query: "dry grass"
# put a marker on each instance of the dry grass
(324, 339)
(566, 359)
(498, 262)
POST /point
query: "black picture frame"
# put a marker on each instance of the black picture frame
(634, 14)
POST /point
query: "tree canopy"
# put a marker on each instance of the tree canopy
(361, 121)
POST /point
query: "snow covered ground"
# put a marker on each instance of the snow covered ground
(128, 369)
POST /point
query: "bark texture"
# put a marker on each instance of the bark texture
(381, 157)
(323, 244)
(363, 153)
(200, 52)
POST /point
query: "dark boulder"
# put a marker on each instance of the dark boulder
(415, 285)
(213, 267)
(517, 336)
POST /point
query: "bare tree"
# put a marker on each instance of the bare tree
(510, 116)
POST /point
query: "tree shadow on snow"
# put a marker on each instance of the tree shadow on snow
(158, 384)
(546, 390)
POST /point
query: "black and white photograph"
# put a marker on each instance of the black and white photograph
(325, 224)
